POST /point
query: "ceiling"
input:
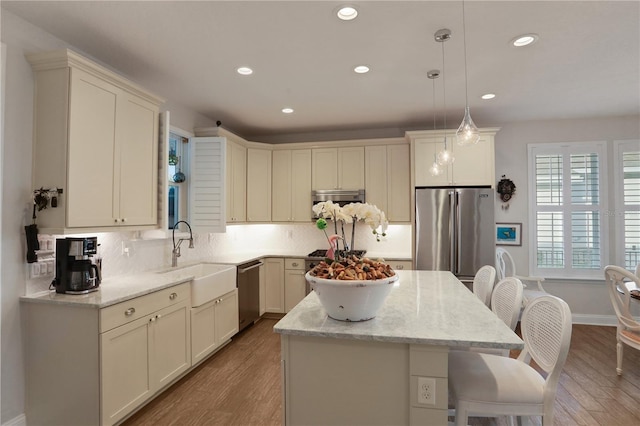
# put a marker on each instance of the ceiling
(586, 62)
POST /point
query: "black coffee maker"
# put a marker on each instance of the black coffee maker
(75, 272)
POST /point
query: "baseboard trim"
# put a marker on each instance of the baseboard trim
(586, 319)
(21, 420)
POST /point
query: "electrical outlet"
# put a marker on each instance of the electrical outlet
(427, 390)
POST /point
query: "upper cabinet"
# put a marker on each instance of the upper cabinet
(96, 138)
(337, 168)
(291, 186)
(258, 185)
(388, 180)
(236, 182)
(474, 165)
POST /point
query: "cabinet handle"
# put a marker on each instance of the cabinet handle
(158, 316)
(129, 312)
(172, 296)
(399, 266)
(124, 219)
(294, 264)
(152, 319)
(115, 220)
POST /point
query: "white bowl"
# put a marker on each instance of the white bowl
(355, 300)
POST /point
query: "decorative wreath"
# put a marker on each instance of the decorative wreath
(506, 189)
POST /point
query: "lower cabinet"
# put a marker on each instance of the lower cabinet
(274, 285)
(294, 282)
(141, 357)
(213, 324)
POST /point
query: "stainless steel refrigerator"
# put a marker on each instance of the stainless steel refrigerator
(455, 230)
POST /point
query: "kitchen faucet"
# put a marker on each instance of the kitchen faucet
(175, 253)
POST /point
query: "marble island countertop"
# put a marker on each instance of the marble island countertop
(424, 307)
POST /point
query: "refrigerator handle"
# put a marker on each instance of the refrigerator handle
(453, 231)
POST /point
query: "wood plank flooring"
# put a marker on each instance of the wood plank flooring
(240, 385)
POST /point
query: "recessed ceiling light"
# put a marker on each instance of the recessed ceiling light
(524, 40)
(361, 69)
(488, 96)
(287, 110)
(244, 71)
(347, 13)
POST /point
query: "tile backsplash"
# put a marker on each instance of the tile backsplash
(126, 253)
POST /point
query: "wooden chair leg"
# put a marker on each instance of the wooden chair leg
(619, 350)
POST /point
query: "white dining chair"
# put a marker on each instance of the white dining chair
(506, 267)
(488, 385)
(628, 331)
(506, 303)
(483, 283)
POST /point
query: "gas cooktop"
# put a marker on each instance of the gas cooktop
(321, 253)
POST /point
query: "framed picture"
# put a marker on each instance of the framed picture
(509, 234)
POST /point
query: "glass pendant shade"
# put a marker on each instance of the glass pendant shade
(468, 133)
(445, 157)
(435, 169)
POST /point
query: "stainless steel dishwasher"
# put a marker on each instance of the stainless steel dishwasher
(248, 293)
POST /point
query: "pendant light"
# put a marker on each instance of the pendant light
(468, 133)
(435, 169)
(445, 157)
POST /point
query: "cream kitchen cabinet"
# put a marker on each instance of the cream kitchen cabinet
(388, 180)
(109, 361)
(213, 324)
(337, 168)
(294, 282)
(96, 138)
(274, 285)
(258, 185)
(236, 182)
(474, 165)
(291, 186)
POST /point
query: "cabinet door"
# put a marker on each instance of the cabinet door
(203, 336)
(236, 182)
(171, 349)
(226, 320)
(92, 138)
(376, 176)
(398, 183)
(125, 374)
(301, 185)
(258, 185)
(137, 127)
(324, 168)
(274, 277)
(474, 164)
(425, 152)
(351, 168)
(281, 186)
(294, 288)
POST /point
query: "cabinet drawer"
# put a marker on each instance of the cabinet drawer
(294, 263)
(124, 312)
(400, 264)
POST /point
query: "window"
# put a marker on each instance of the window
(627, 212)
(177, 172)
(569, 210)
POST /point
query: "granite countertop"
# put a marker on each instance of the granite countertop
(424, 307)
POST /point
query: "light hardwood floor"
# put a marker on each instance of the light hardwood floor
(240, 385)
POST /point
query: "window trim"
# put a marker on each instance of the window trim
(619, 147)
(568, 148)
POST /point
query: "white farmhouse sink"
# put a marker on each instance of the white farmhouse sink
(211, 280)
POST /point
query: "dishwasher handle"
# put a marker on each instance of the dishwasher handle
(242, 270)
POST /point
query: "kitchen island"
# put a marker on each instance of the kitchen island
(391, 369)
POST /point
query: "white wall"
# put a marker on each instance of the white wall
(588, 300)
